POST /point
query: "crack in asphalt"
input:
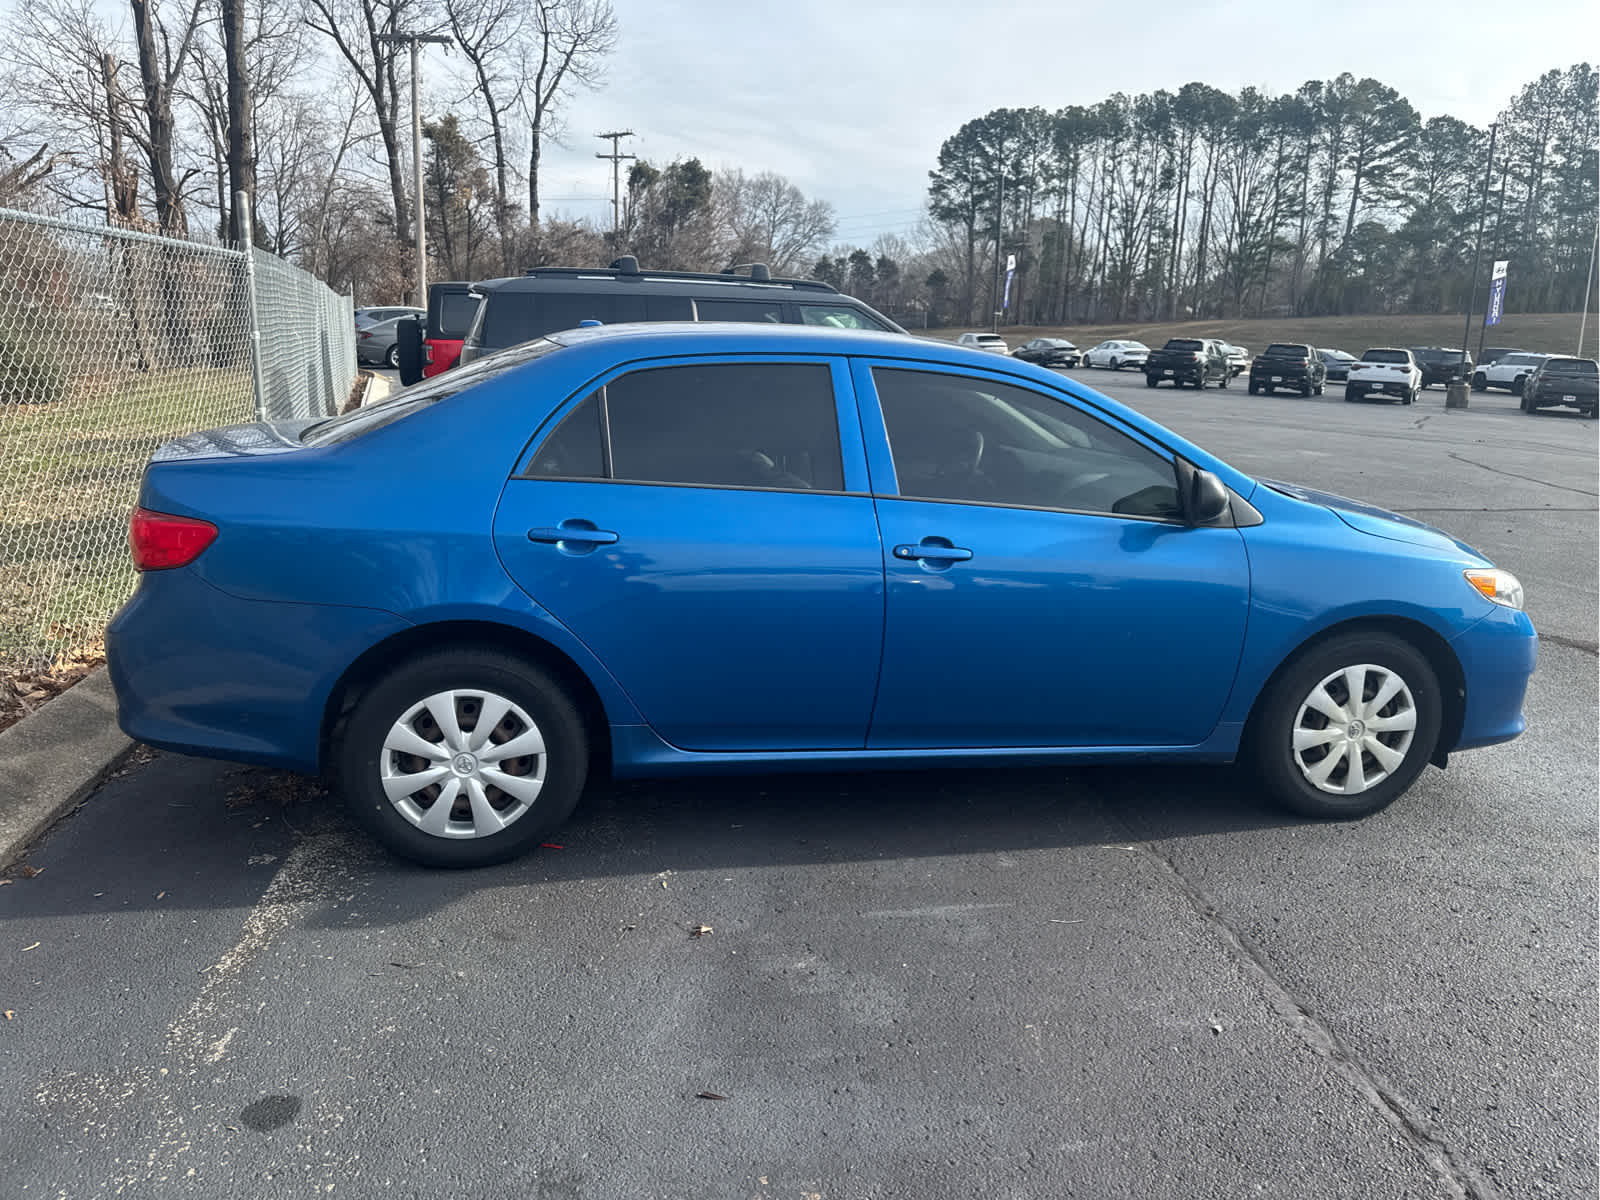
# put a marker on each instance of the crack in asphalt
(1560, 487)
(1571, 643)
(1460, 1178)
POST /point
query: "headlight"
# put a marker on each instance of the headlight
(1496, 585)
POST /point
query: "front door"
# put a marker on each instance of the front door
(1041, 590)
(693, 526)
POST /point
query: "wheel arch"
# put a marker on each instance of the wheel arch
(378, 659)
(1446, 666)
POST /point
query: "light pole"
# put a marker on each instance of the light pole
(412, 40)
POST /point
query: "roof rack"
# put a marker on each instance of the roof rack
(627, 267)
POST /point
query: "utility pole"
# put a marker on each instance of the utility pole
(999, 232)
(412, 40)
(1483, 211)
(616, 156)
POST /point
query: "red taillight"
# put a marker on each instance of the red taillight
(365, 334)
(160, 541)
(427, 352)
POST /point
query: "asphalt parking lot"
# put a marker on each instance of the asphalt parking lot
(1034, 983)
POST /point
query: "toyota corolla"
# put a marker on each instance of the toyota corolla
(705, 548)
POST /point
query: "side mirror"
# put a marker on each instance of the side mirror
(1204, 497)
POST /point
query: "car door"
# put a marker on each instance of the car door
(704, 527)
(1041, 589)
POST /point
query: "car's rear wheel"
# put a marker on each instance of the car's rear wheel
(1150, 381)
(1410, 397)
(1305, 390)
(1346, 728)
(1517, 384)
(1480, 382)
(462, 758)
(1351, 395)
(1223, 382)
(1254, 387)
(1116, 364)
(1317, 391)
(393, 356)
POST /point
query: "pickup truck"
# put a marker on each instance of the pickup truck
(1291, 366)
(1563, 381)
(1385, 372)
(1188, 360)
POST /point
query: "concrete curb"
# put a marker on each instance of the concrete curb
(51, 759)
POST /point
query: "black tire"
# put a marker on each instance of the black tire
(1223, 382)
(1199, 382)
(1351, 395)
(1317, 391)
(357, 756)
(1254, 387)
(1517, 384)
(1269, 740)
(1116, 364)
(1305, 390)
(1526, 403)
(1150, 381)
(1410, 397)
(1480, 382)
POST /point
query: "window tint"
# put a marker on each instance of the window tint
(1284, 350)
(959, 438)
(770, 311)
(736, 424)
(511, 317)
(837, 316)
(452, 314)
(1185, 344)
(576, 450)
(1384, 356)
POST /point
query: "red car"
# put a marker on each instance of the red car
(451, 307)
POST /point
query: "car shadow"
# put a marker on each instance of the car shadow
(181, 832)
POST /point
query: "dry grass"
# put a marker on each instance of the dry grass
(1552, 333)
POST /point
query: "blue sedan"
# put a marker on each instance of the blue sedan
(711, 548)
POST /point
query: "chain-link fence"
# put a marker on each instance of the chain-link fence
(112, 342)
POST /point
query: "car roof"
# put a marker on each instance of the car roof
(750, 337)
(604, 280)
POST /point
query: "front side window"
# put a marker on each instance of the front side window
(757, 425)
(960, 438)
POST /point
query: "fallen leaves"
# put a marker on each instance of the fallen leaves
(700, 930)
(29, 871)
(22, 692)
(11, 1015)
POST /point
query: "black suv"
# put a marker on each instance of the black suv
(1439, 365)
(1291, 366)
(1563, 381)
(548, 299)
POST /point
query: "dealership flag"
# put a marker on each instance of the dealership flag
(1011, 269)
(1497, 293)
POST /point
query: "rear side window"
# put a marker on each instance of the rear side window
(838, 316)
(1571, 366)
(1284, 350)
(754, 425)
(1384, 356)
(450, 314)
(764, 311)
(1184, 344)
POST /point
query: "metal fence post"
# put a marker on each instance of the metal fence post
(244, 220)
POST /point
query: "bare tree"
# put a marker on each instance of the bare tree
(565, 45)
(490, 35)
(767, 219)
(160, 65)
(355, 26)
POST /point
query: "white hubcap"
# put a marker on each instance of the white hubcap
(463, 764)
(1355, 729)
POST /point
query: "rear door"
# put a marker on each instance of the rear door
(705, 527)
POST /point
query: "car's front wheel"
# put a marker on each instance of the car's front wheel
(1480, 382)
(393, 356)
(462, 758)
(1346, 728)
(1116, 364)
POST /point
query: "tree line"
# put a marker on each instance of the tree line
(1336, 198)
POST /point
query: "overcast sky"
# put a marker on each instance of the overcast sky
(851, 101)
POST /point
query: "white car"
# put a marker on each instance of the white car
(1384, 372)
(1508, 371)
(992, 342)
(1238, 358)
(1117, 354)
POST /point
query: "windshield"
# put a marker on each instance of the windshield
(414, 399)
(1384, 356)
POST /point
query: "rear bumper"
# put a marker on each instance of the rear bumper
(199, 671)
(1497, 657)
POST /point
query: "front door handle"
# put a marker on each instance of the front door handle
(933, 550)
(574, 533)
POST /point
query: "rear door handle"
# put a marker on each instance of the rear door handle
(573, 532)
(929, 550)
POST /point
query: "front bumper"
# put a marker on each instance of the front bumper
(1498, 656)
